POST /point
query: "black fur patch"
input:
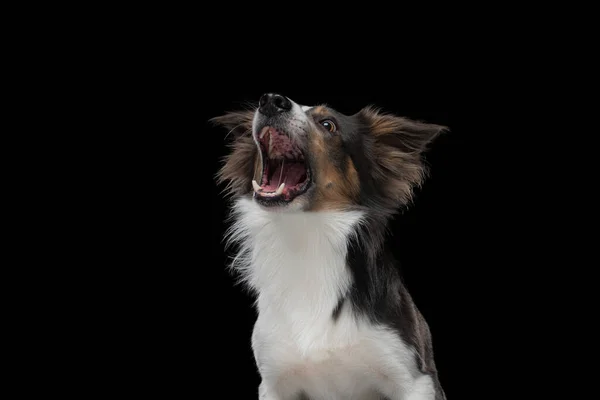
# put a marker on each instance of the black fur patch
(338, 308)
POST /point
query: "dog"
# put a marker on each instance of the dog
(312, 191)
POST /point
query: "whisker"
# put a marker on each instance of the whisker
(228, 133)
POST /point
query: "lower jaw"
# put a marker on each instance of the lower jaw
(281, 200)
(271, 203)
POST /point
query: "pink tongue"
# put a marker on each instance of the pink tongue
(293, 173)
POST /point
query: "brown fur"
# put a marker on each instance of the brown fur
(336, 188)
(412, 137)
(397, 146)
(243, 158)
(318, 110)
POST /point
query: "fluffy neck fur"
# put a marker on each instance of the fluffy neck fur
(295, 262)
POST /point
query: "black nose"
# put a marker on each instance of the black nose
(271, 104)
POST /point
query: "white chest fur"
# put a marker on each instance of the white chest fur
(296, 263)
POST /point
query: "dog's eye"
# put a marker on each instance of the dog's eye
(329, 125)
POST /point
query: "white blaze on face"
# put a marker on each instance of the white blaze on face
(298, 117)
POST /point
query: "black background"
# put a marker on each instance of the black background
(163, 315)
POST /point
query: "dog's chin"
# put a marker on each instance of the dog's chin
(280, 204)
(286, 175)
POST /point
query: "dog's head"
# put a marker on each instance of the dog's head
(299, 158)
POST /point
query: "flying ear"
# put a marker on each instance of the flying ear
(405, 134)
(397, 144)
(238, 123)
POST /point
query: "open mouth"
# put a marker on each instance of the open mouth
(285, 173)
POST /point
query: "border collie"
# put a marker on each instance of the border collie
(312, 191)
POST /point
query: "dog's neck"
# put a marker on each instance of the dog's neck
(296, 262)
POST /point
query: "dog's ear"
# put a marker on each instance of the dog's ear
(237, 123)
(241, 163)
(397, 144)
(407, 135)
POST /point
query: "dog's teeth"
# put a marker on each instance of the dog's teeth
(255, 186)
(280, 189)
(262, 133)
(270, 144)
